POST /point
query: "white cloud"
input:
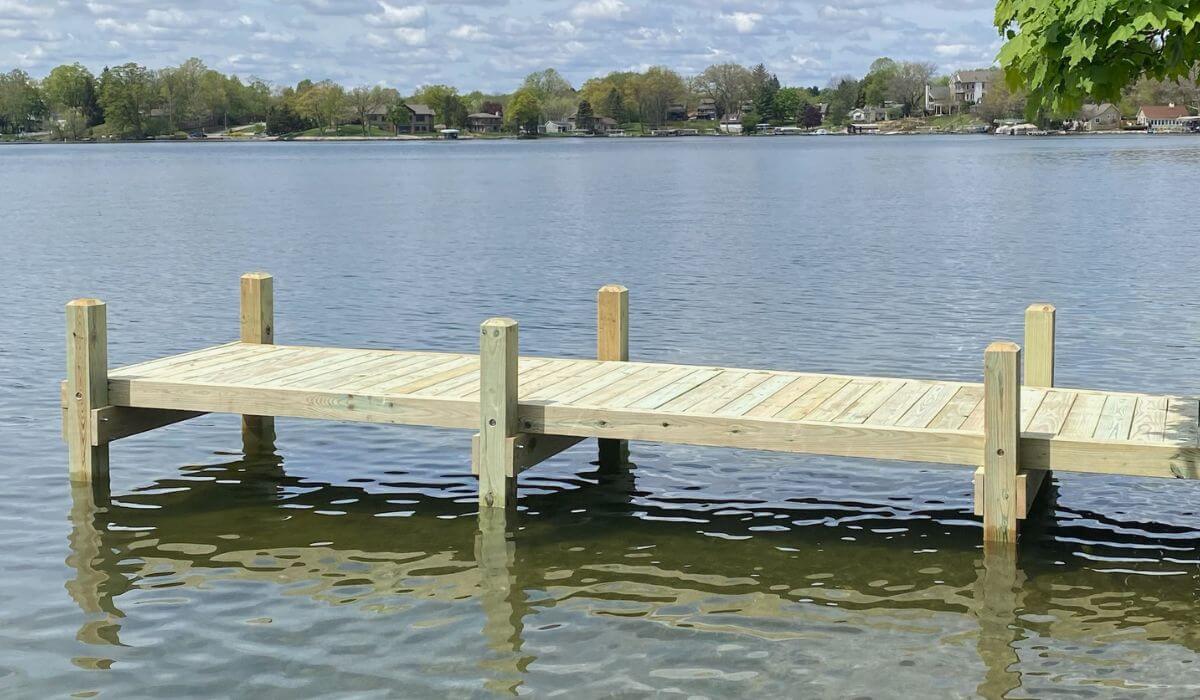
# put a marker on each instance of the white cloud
(173, 17)
(397, 16)
(951, 50)
(599, 9)
(469, 32)
(134, 29)
(15, 9)
(98, 8)
(742, 22)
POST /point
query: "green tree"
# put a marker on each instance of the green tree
(324, 103)
(788, 102)
(282, 119)
(445, 101)
(765, 86)
(556, 96)
(1063, 52)
(524, 111)
(217, 95)
(655, 90)
(877, 83)
(842, 95)
(72, 88)
(21, 103)
(179, 89)
(399, 117)
(584, 117)
(365, 100)
(127, 93)
(750, 122)
(613, 105)
(728, 84)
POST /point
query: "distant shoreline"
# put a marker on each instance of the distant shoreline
(706, 137)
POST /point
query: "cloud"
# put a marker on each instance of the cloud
(393, 16)
(742, 22)
(17, 10)
(599, 9)
(469, 32)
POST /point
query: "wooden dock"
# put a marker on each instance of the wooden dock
(1012, 427)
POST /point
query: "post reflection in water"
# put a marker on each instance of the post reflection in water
(672, 564)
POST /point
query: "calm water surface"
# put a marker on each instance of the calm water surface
(352, 564)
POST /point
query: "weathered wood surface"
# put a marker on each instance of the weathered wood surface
(897, 419)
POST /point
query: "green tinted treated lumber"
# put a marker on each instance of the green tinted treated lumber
(1001, 441)
(612, 343)
(87, 387)
(497, 412)
(258, 326)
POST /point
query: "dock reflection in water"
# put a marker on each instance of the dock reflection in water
(761, 607)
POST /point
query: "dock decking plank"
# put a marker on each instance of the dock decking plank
(1066, 429)
(835, 405)
(958, 409)
(1116, 418)
(1149, 419)
(1052, 414)
(785, 396)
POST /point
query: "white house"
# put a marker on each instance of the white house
(558, 126)
(1162, 117)
(967, 87)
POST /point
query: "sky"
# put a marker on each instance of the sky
(490, 45)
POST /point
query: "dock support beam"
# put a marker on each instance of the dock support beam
(1038, 371)
(1001, 440)
(612, 343)
(497, 412)
(87, 387)
(258, 326)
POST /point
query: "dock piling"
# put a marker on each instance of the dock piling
(1039, 345)
(1001, 442)
(87, 387)
(497, 412)
(258, 326)
(612, 343)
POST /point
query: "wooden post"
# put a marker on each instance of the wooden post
(497, 412)
(1039, 345)
(87, 387)
(1002, 425)
(258, 326)
(612, 343)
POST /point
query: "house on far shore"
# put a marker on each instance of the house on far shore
(707, 109)
(557, 126)
(677, 112)
(967, 87)
(484, 122)
(1098, 117)
(937, 99)
(1162, 117)
(603, 125)
(868, 114)
(420, 118)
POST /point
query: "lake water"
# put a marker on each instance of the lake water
(351, 564)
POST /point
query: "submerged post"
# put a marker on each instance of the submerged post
(258, 326)
(87, 387)
(497, 412)
(1039, 345)
(612, 343)
(1001, 441)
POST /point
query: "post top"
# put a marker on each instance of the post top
(1003, 346)
(613, 288)
(257, 276)
(85, 302)
(1041, 306)
(499, 322)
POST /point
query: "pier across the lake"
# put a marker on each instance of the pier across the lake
(1012, 427)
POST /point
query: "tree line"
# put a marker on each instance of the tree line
(133, 101)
